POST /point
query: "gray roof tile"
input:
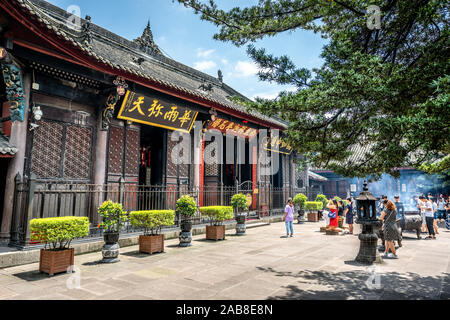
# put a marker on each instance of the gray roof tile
(118, 52)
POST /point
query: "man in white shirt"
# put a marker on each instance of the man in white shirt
(429, 217)
(435, 209)
(421, 206)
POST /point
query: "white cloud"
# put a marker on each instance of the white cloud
(265, 95)
(274, 94)
(204, 53)
(204, 65)
(224, 61)
(246, 69)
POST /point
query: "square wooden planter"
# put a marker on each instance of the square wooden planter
(151, 244)
(313, 217)
(52, 262)
(215, 232)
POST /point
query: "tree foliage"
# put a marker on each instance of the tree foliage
(380, 100)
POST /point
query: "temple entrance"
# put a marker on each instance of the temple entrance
(152, 157)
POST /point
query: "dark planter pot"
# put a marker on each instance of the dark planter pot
(186, 225)
(185, 234)
(240, 225)
(301, 216)
(111, 237)
(110, 250)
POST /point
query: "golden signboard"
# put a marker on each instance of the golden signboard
(233, 128)
(271, 143)
(155, 112)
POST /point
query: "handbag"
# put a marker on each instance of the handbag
(332, 215)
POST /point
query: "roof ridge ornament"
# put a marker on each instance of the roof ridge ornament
(86, 31)
(146, 42)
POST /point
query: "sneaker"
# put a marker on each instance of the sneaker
(393, 256)
(292, 235)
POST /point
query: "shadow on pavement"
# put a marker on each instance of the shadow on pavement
(35, 275)
(364, 284)
(137, 254)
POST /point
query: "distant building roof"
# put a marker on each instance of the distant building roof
(316, 177)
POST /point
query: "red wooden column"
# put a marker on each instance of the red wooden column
(201, 179)
(254, 175)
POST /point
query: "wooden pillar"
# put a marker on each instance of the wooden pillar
(16, 165)
(202, 172)
(101, 150)
(254, 179)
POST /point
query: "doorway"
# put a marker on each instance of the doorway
(151, 164)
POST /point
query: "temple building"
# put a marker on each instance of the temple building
(88, 115)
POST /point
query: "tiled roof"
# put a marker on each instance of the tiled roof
(316, 177)
(5, 147)
(124, 55)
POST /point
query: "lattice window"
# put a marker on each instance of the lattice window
(211, 161)
(171, 167)
(47, 150)
(132, 155)
(116, 150)
(78, 152)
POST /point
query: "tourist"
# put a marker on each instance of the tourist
(390, 231)
(340, 208)
(441, 207)
(289, 218)
(435, 207)
(333, 206)
(447, 214)
(421, 205)
(400, 207)
(427, 207)
(349, 215)
(380, 207)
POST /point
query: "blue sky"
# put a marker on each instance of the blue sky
(185, 38)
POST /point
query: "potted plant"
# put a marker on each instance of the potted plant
(299, 200)
(56, 234)
(113, 219)
(313, 207)
(217, 215)
(239, 203)
(152, 221)
(186, 209)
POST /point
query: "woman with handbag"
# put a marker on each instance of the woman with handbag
(390, 230)
(333, 206)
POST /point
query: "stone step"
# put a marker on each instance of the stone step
(257, 224)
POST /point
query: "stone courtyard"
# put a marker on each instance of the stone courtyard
(264, 264)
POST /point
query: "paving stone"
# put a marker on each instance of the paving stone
(260, 265)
